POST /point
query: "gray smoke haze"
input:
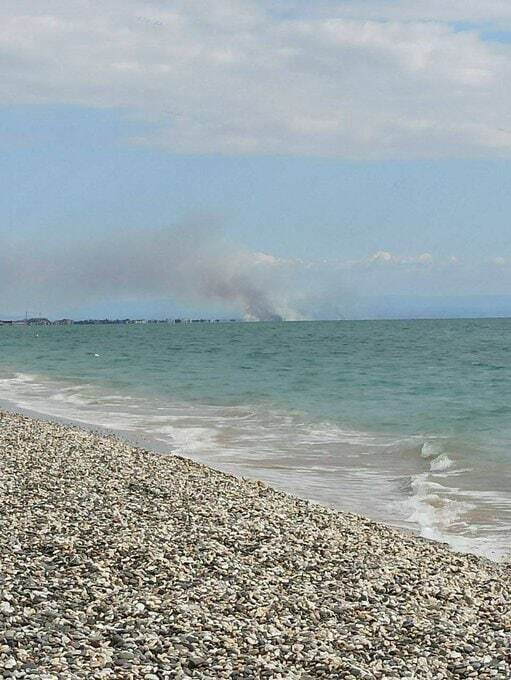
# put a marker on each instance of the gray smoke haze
(189, 264)
(195, 266)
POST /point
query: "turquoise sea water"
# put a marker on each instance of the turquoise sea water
(408, 422)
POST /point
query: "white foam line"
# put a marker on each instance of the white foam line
(249, 438)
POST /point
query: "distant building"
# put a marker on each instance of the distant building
(43, 321)
(38, 321)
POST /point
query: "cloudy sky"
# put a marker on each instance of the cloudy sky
(342, 158)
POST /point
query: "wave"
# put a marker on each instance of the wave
(441, 463)
(431, 449)
(406, 481)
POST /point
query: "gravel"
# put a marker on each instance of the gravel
(117, 562)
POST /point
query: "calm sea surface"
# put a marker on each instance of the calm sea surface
(408, 422)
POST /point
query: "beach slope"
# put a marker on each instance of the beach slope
(117, 562)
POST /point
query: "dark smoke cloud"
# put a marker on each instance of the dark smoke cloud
(189, 264)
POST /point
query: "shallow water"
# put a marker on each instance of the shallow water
(405, 421)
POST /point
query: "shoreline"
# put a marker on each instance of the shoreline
(152, 443)
(121, 563)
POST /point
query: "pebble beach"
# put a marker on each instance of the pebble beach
(118, 562)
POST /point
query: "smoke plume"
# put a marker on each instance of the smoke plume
(190, 264)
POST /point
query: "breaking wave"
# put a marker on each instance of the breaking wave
(410, 482)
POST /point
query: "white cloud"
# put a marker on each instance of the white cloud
(382, 256)
(355, 80)
(467, 11)
(269, 260)
(501, 261)
(386, 258)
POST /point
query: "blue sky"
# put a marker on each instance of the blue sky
(346, 158)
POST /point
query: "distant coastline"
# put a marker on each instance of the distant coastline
(43, 321)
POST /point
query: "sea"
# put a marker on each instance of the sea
(405, 422)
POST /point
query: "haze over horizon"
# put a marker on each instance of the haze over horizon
(303, 160)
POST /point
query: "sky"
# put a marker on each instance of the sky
(294, 159)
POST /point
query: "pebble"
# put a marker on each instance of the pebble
(119, 562)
